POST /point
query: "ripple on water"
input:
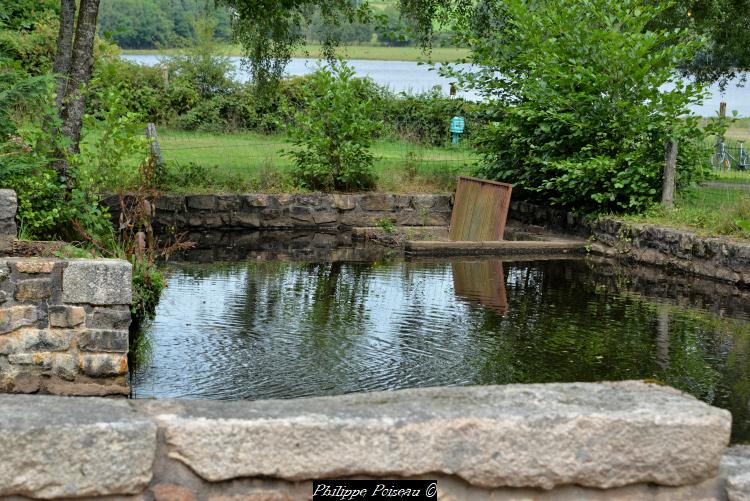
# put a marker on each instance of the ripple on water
(270, 330)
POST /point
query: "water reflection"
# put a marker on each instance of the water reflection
(287, 329)
(482, 281)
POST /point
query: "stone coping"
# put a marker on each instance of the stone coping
(543, 436)
(721, 258)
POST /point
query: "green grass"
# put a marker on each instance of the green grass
(708, 211)
(248, 161)
(373, 52)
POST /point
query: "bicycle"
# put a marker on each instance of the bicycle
(744, 157)
(722, 159)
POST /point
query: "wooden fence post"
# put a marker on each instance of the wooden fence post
(153, 140)
(670, 167)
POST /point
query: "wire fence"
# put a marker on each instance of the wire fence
(246, 159)
(258, 162)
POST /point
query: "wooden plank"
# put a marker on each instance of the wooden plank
(493, 248)
(480, 210)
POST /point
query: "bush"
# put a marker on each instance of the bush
(334, 133)
(576, 116)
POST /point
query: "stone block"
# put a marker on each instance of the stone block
(246, 219)
(61, 364)
(58, 447)
(65, 366)
(92, 388)
(228, 202)
(172, 492)
(97, 282)
(327, 218)
(255, 495)
(14, 317)
(112, 341)
(343, 202)
(201, 202)
(377, 202)
(35, 266)
(213, 220)
(19, 380)
(195, 221)
(171, 203)
(29, 359)
(410, 217)
(103, 365)
(257, 200)
(538, 436)
(735, 468)
(113, 317)
(31, 340)
(361, 219)
(34, 289)
(66, 316)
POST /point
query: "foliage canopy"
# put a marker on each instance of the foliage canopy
(582, 97)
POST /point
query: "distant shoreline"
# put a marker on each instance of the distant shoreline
(438, 54)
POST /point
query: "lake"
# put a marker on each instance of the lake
(410, 76)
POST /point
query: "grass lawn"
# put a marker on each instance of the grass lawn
(438, 54)
(248, 161)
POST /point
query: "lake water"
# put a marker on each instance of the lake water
(409, 76)
(258, 329)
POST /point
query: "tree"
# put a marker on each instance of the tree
(136, 24)
(269, 30)
(726, 25)
(334, 134)
(73, 63)
(576, 102)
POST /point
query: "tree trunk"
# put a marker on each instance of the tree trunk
(61, 67)
(82, 59)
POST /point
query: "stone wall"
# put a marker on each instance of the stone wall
(295, 211)
(64, 326)
(674, 249)
(540, 442)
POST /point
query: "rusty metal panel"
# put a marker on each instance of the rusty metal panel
(480, 210)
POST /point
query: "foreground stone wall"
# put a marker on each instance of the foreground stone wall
(577, 441)
(295, 211)
(670, 248)
(64, 326)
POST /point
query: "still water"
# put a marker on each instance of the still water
(282, 329)
(411, 77)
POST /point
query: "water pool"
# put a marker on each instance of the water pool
(283, 329)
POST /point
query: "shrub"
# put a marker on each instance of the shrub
(334, 133)
(576, 115)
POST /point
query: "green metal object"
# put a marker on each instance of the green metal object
(457, 128)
